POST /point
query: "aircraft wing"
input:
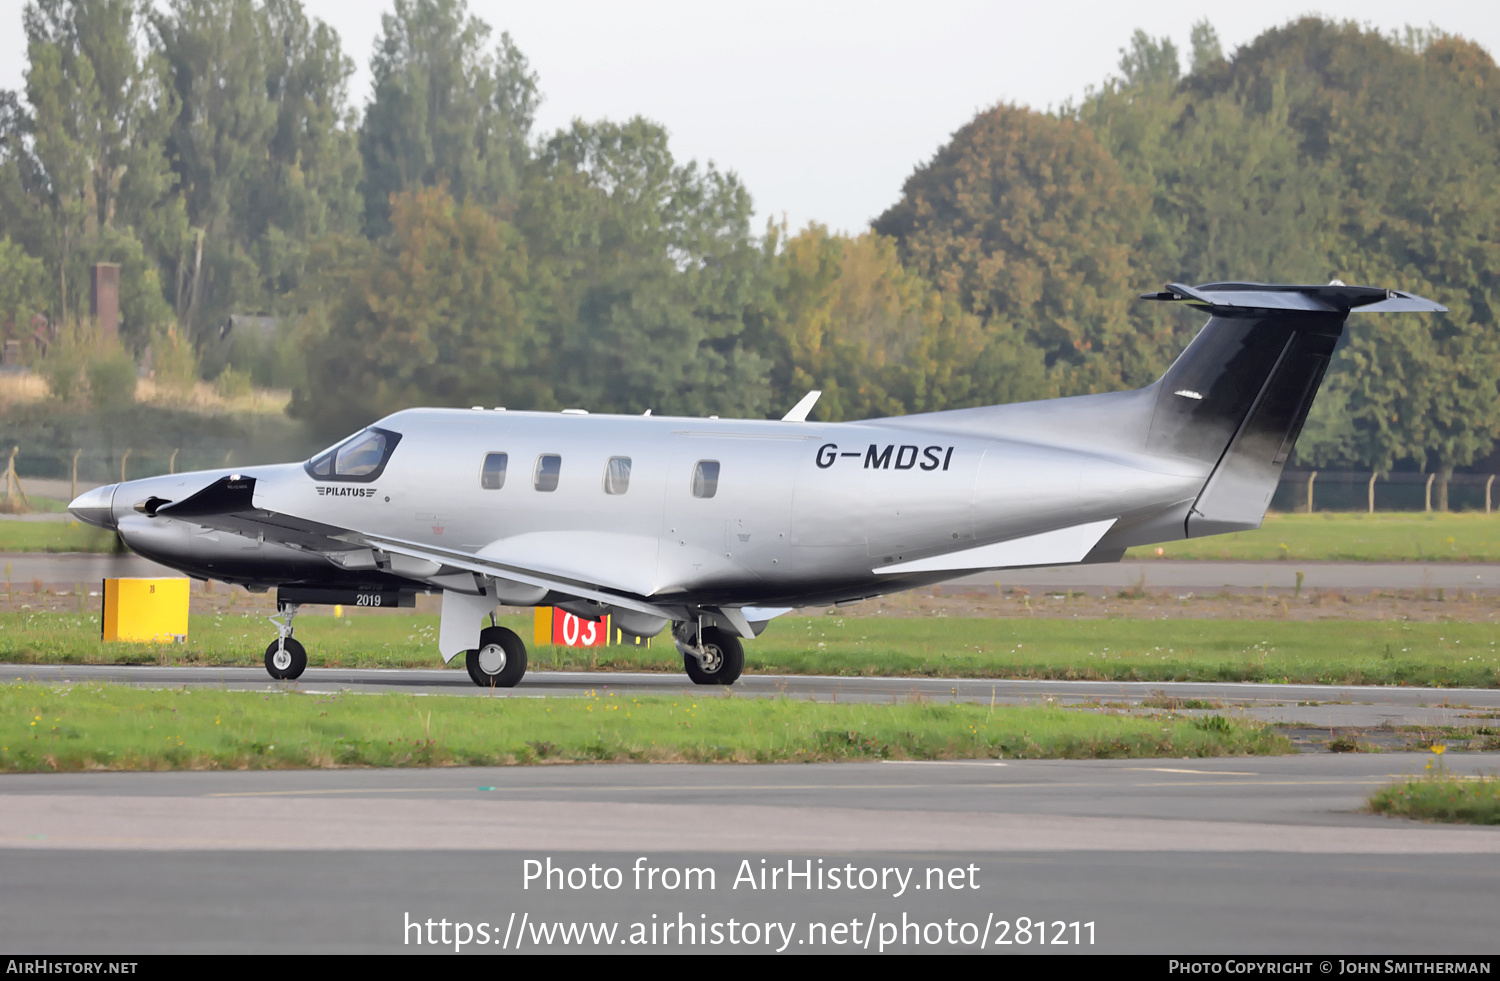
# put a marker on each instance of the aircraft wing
(228, 505)
(512, 570)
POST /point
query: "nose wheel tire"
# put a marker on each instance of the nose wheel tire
(724, 660)
(499, 661)
(286, 663)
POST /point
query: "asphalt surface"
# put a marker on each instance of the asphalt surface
(1258, 855)
(1239, 856)
(1200, 578)
(1310, 705)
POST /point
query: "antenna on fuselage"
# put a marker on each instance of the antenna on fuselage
(801, 409)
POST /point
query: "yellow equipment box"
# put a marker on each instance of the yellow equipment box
(150, 610)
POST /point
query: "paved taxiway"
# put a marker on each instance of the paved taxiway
(1201, 578)
(1309, 705)
(1231, 855)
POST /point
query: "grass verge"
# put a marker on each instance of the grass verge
(55, 536)
(1342, 652)
(1338, 536)
(1442, 798)
(115, 727)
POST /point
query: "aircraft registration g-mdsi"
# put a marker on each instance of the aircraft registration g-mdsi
(713, 527)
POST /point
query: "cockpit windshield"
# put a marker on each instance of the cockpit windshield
(362, 457)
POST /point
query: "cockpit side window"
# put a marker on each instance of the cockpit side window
(361, 458)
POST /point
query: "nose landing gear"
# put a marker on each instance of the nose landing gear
(286, 658)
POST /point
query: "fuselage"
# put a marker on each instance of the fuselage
(696, 511)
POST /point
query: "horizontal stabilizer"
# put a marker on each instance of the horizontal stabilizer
(1333, 298)
(1065, 546)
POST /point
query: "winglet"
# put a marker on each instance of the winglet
(801, 409)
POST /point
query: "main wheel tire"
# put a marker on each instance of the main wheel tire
(288, 663)
(500, 660)
(724, 663)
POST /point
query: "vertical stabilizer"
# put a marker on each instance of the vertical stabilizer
(1239, 394)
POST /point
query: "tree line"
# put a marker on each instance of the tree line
(434, 248)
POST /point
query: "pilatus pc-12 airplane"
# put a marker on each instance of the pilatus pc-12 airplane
(715, 526)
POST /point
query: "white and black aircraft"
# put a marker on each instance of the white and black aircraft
(715, 526)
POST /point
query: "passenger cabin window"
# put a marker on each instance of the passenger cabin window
(361, 458)
(548, 466)
(706, 478)
(617, 475)
(492, 476)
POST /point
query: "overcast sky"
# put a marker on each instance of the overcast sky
(824, 107)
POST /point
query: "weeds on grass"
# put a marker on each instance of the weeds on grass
(110, 727)
(1443, 797)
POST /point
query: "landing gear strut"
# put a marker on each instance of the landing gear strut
(286, 659)
(712, 657)
(500, 659)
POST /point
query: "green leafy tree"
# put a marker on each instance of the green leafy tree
(445, 110)
(1150, 61)
(1029, 222)
(64, 98)
(23, 288)
(263, 150)
(876, 338)
(216, 53)
(1207, 50)
(1403, 137)
(435, 314)
(1325, 150)
(86, 152)
(644, 274)
(309, 185)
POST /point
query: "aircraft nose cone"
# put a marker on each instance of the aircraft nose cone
(96, 507)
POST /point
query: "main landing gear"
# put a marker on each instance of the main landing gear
(713, 657)
(499, 661)
(286, 659)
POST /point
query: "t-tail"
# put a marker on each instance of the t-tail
(1238, 396)
(1223, 419)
